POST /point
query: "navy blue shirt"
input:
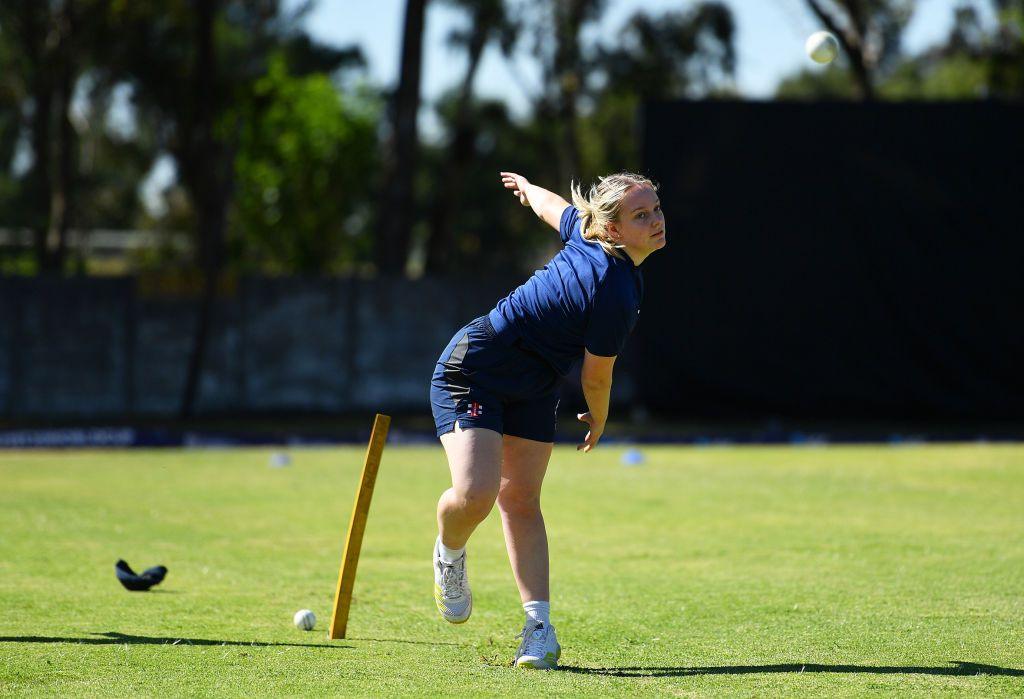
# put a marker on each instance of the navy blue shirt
(583, 298)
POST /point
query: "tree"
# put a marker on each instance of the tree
(46, 45)
(673, 56)
(568, 74)
(557, 44)
(832, 83)
(115, 154)
(1006, 68)
(492, 233)
(305, 165)
(972, 62)
(391, 250)
(189, 62)
(206, 160)
(15, 86)
(676, 55)
(869, 32)
(556, 28)
(81, 173)
(955, 69)
(488, 21)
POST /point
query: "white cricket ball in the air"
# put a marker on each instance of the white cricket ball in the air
(305, 619)
(822, 47)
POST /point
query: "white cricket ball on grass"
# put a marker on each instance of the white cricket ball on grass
(305, 619)
(822, 47)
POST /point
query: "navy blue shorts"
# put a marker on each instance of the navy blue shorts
(480, 381)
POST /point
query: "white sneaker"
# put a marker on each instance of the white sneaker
(451, 588)
(539, 649)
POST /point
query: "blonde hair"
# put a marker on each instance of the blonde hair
(600, 207)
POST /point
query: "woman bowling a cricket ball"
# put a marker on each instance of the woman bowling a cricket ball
(494, 392)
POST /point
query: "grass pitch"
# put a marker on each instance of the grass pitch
(746, 571)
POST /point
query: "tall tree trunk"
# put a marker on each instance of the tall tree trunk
(208, 168)
(42, 187)
(395, 216)
(460, 155)
(569, 15)
(62, 202)
(35, 21)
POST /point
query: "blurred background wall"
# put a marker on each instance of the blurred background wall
(222, 207)
(81, 348)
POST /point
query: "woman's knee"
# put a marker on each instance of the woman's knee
(475, 500)
(519, 502)
(474, 457)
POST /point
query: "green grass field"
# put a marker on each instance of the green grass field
(724, 571)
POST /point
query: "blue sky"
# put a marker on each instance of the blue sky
(770, 40)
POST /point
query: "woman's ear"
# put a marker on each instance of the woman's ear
(613, 231)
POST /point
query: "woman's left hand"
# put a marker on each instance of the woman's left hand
(596, 430)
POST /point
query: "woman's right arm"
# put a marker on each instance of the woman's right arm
(547, 205)
(596, 380)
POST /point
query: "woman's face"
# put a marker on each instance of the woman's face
(640, 226)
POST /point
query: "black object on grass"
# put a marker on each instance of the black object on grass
(136, 582)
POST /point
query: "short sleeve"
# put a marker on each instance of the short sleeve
(611, 321)
(570, 221)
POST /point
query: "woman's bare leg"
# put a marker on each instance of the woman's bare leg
(474, 457)
(522, 474)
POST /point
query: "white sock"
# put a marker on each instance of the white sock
(538, 612)
(449, 555)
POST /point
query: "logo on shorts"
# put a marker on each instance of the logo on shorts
(475, 409)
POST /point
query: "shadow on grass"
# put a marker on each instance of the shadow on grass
(956, 669)
(408, 640)
(113, 638)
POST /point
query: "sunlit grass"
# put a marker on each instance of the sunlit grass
(747, 571)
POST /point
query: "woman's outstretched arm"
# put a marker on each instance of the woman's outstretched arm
(547, 205)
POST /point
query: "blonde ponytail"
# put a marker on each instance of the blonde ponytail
(600, 207)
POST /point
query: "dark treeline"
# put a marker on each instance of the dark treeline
(285, 159)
